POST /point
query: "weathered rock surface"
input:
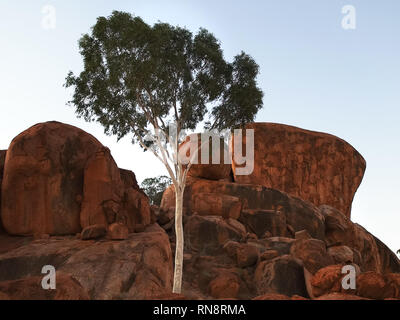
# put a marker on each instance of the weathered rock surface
(368, 251)
(272, 296)
(43, 179)
(313, 166)
(283, 275)
(298, 214)
(30, 288)
(209, 234)
(59, 179)
(217, 204)
(102, 190)
(136, 268)
(327, 283)
(136, 213)
(313, 254)
(117, 231)
(276, 235)
(372, 285)
(242, 241)
(94, 231)
(245, 254)
(225, 285)
(341, 254)
(327, 280)
(129, 179)
(340, 296)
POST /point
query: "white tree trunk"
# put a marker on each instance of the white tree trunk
(179, 240)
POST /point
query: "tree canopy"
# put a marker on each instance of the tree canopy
(136, 75)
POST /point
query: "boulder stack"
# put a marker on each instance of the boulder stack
(283, 231)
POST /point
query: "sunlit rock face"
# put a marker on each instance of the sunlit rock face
(59, 179)
(314, 166)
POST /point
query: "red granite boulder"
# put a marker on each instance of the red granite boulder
(102, 190)
(313, 254)
(43, 179)
(138, 267)
(313, 166)
(59, 179)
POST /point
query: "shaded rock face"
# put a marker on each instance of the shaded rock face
(136, 268)
(217, 204)
(255, 202)
(93, 232)
(59, 179)
(368, 251)
(129, 179)
(313, 166)
(261, 222)
(208, 234)
(242, 241)
(313, 254)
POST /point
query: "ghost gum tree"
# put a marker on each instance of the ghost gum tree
(139, 80)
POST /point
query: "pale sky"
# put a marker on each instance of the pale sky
(315, 75)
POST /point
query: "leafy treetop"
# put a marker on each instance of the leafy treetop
(136, 75)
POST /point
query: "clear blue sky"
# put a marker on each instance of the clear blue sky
(315, 75)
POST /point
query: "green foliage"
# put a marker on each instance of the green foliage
(136, 75)
(155, 187)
